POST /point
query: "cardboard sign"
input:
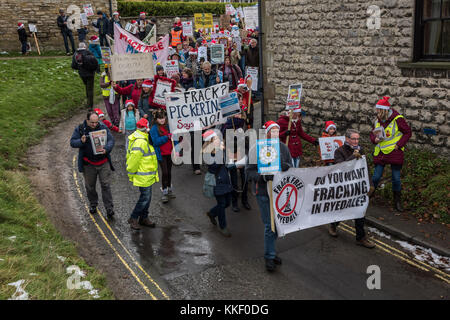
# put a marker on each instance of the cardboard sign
(268, 156)
(171, 67)
(329, 145)
(194, 110)
(131, 66)
(253, 73)
(202, 53)
(203, 21)
(217, 54)
(251, 17)
(32, 27)
(188, 29)
(161, 86)
(88, 10)
(229, 105)
(106, 55)
(309, 197)
(294, 96)
(224, 20)
(84, 19)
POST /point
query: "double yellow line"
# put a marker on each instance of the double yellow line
(401, 255)
(133, 259)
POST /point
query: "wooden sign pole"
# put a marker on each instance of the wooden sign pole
(249, 85)
(272, 215)
(37, 44)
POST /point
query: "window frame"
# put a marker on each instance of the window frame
(419, 31)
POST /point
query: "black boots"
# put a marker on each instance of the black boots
(398, 201)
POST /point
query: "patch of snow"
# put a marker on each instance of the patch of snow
(33, 274)
(62, 259)
(426, 255)
(378, 232)
(12, 238)
(20, 293)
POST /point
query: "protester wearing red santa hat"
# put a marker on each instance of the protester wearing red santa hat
(22, 37)
(390, 135)
(262, 197)
(295, 134)
(329, 131)
(144, 107)
(101, 117)
(243, 89)
(133, 89)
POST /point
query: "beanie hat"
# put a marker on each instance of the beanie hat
(383, 103)
(99, 112)
(147, 84)
(159, 67)
(143, 123)
(208, 135)
(269, 125)
(128, 102)
(329, 125)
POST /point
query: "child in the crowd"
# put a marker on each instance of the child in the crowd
(94, 47)
(223, 188)
(330, 130)
(128, 120)
(82, 32)
(162, 142)
(110, 97)
(22, 37)
(187, 79)
(144, 107)
(101, 117)
(160, 70)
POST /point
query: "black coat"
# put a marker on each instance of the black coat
(60, 21)
(81, 70)
(22, 35)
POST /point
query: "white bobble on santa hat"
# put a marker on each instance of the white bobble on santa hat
(269, 125)
(383, 103)
(208, 135)
(115, 13)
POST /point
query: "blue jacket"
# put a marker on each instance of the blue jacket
(96, 51)
(223, 182)
(86, 148)
(157, 140)
(201, 79)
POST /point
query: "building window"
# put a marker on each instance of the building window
(432, 36)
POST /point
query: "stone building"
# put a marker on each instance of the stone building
(42, 13)
(346, 62)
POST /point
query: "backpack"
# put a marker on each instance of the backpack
(79, 60)
(90, 63)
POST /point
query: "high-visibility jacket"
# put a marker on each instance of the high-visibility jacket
(393, 135)
(142, 164)
(106, 91)
(176, 37)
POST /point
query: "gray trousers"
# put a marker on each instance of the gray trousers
(90, 174)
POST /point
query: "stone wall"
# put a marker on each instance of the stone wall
(43, 13)
(345, 67)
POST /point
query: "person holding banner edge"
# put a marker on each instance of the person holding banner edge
(349, 151)
(262, 197)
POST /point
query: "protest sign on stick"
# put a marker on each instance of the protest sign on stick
(88, 10)
(106, 55)
(217, 54)
(229, 105)
(187, 29)
(194, 110)
(161, 87)
(33, 30)
(328, 146)
(171, 67)
(131, 66)
(203, 21)
(293, 101)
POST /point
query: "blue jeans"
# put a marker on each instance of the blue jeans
(24, 47)
(223, 202)
(378, 173)
(143, 204)
(296, 162)
(269, 236)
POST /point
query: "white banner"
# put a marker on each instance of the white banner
(188, 29)
(309, 197)
(329, 145)
(194, 110)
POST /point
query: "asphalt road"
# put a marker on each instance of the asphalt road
(185, 257)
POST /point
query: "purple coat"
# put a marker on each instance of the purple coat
(396, 156)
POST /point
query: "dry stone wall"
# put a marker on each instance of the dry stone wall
(345, 67)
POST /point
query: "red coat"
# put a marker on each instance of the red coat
(131, 89)
(396, 156)
(295, 143)
(110, 125)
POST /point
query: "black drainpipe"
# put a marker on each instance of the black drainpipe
(261, 73)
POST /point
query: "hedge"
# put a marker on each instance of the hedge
(159, 8)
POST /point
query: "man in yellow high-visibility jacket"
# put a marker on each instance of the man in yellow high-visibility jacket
(142, 168)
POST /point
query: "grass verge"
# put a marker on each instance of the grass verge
(34, 95)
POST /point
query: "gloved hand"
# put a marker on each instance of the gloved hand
(316, 143)
(357, 154)
(288, 133)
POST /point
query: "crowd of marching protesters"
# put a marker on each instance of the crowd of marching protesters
(150, 144)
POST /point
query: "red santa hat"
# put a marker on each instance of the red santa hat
(329, 125)
(213, 41)
(242, 83)
(269, 125)
(20, 25)
(94, 39)
(193, 52)
(133, 21)
(143, 123)
(383, 103)
(128, 102)
(208, 135)
(142, 14)
(99, 112)
(147, 84)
